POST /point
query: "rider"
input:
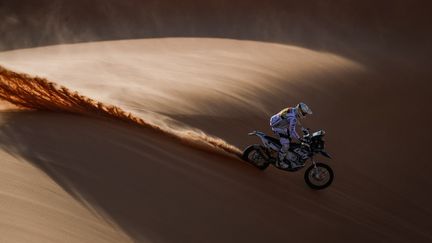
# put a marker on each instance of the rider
(284, 124)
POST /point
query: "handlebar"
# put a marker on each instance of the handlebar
(306, 131)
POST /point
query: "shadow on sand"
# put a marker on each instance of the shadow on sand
(157, 189)
(153, 188)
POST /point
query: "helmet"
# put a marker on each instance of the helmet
(303, 110)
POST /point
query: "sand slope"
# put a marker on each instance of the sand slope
(160, 190)
(191, 196)
(183, 75)
(35, 208)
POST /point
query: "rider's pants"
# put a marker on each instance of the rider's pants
(285, 140)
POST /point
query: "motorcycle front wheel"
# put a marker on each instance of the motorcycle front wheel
(253, 155)
(319, 177)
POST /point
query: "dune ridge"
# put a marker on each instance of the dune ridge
(38, 93)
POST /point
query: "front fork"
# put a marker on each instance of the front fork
(316, 170)
(313, 162)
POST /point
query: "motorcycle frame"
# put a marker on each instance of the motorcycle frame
(270, 145)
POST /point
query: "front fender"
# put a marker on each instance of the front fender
(325, 154)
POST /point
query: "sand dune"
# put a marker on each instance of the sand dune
(188, 195)
(136, 76)
(182, 75)
(156, 189)
(35, 208)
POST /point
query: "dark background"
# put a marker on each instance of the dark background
(351, 28)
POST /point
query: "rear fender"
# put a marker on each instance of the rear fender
(267, 143)
(261, 135)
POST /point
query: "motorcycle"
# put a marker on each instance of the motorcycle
(317, 176)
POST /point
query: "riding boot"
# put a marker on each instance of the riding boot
(281, 161)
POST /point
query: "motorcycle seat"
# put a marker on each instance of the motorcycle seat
(273, 140)
(276, 141)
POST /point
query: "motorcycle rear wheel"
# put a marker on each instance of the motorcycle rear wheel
(320, 177)
(253, 155)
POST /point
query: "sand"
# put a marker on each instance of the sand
(35, 208)
(133, 182)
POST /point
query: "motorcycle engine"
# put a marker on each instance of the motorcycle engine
(292, 157)
(274, 154)
(302, 154)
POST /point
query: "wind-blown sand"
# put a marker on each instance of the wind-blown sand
(155, 188)
(169, 76)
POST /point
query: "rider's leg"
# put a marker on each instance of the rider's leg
(285, 142)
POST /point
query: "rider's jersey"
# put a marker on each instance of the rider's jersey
(285, 122)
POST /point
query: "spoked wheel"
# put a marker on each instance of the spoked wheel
(319, 177)
(253, 155)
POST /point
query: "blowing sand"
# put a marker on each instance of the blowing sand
(154, 188)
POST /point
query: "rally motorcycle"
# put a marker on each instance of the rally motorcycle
(317, 176)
